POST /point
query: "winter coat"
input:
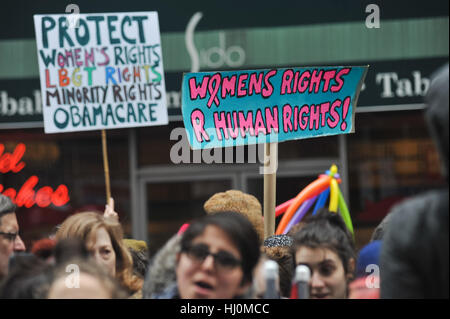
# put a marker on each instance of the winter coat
(414, 261)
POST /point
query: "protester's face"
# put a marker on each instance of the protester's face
(8, 244)
(259, 282)
(209, 278)
(101, 248)
(328, 279)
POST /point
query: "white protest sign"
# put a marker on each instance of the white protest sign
(105, 73)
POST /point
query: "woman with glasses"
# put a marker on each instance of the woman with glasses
(217, 258)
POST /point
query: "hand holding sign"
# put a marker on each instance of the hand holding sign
(109, 210)
(105, 73)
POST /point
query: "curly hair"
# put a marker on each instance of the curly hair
(282, 255)
(84, 225)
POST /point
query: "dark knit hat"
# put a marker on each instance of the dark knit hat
(278, 241)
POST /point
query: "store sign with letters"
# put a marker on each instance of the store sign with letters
(27, 196)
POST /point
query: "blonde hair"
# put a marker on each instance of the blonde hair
(84, 225)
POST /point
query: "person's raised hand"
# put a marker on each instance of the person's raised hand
(109, 210)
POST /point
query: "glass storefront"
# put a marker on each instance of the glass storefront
(390, 158)
(171, 204)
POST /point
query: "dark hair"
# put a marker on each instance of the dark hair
(240, 231)
(28, 278)
(70, 248)
(380, 230)
(140, 261)
(436, 115)
(282, 255)
(327, 230)
(6, 206)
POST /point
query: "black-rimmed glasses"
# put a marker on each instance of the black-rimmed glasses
(223, 261)
(10, 236)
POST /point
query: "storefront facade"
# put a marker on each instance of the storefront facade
(158, 184)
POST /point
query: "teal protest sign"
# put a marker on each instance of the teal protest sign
(222, 109)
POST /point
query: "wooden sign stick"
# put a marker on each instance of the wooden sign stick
(106, 166)
(270, 186)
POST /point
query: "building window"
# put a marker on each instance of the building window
(391, 157)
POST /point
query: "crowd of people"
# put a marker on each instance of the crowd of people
(224, 253)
